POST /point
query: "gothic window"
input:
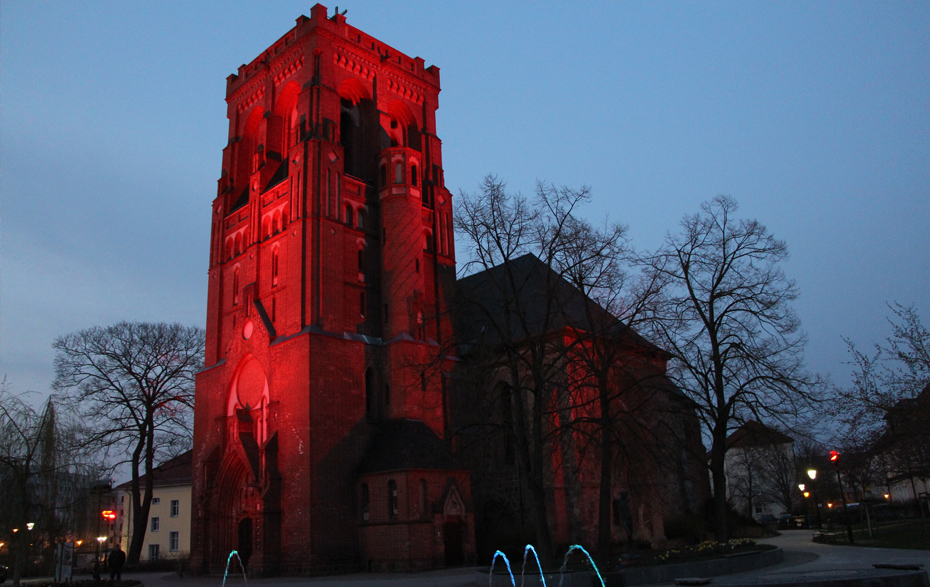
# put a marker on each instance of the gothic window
(349, 215)
(392, 499)
(413, 175)
(274, 267)
(428, 244)
(266, 227)
(361, 220)
(364, 506)
(399, 172)
(235, 286)
(361, 263)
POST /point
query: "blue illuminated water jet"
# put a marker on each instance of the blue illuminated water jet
(229, 560)
(542, 577)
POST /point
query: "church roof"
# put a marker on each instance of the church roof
(406, 444)
(753, 433)
(535, 298)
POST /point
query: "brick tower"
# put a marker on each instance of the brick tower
(320, 429)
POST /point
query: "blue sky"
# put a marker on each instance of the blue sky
(814, 115)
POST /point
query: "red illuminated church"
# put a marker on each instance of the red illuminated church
(322, 429)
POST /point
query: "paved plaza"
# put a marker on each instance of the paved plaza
(803, 558)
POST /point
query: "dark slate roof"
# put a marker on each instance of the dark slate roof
(753, 433)
(524, 287)
(406, 444)
(177, 471)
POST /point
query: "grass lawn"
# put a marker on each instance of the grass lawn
(890, 534)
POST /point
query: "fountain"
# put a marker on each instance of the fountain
(241, 566)
(542, 577)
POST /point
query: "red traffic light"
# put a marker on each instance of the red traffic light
(834, 456)
(108, 515)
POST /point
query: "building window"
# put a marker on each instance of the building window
(155, 524)
(399, 172)
(413, 175)
(422, 498)
(174, 541)
(175, 508)
(364, 504)
(235, 286)
(392, 499)
(274, 267)
(156, 500)
(153, 552)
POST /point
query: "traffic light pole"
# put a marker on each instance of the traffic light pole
(839, 480)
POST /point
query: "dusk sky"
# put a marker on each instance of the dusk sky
(815, 116)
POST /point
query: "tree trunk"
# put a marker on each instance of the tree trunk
(721, 532)
(603, 513)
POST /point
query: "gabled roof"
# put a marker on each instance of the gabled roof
(535, 298)
(406, 444)
(753, 433)
(176, 471)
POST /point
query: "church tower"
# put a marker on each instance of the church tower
(320, 437)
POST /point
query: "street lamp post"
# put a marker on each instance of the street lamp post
(807, 509)
(812, 473)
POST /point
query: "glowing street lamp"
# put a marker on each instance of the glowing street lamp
(801, 486)
(812, 473)
(30, 525)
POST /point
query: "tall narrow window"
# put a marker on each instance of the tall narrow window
(399, 172)
(274, 267)
(392, 499)
(423, 498)
(329, 192)
(174, 541)
(364, 505)
(235, 286)
(369, 391)
(413, 175)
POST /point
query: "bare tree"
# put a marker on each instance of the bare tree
(571, 302)
(43, 473)
(133, 383)
(896, 370)
(888, 402)
(727, 320)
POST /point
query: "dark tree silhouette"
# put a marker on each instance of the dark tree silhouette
(725, 316)
(133, 383)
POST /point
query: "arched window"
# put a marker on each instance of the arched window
(235, 286)
(274, 267)
(266, 227)
(413, 175)
(361, 219)
(398, 172)
(364, 505)
(349, 215)
(392, 499)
